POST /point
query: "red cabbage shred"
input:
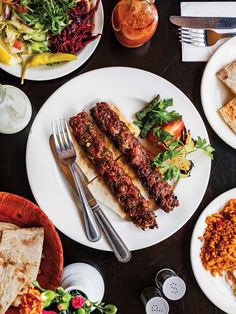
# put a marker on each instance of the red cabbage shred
(78, 34)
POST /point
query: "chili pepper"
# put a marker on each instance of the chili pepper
(45, 58)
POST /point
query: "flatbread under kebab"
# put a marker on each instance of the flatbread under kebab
(12, 281)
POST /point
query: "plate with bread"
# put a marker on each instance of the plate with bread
(218, 92)
(30, 249)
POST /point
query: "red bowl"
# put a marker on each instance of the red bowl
(23, 213)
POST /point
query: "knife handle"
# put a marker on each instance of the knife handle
(121, 251)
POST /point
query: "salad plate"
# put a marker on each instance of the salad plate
(125, 88)
(45, 72)
(215, 94)
(217, 289)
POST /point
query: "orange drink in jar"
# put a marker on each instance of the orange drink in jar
(134, 22)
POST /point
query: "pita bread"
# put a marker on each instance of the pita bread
(22, 248)
(12, 252)
(228, 114)
(7, 226)
(12, 281)
(32, 241)
(228, 76)
(102, 193)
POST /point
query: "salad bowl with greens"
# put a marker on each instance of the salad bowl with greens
(54, 30)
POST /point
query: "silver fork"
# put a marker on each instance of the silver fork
(201, 37)
(67, 154)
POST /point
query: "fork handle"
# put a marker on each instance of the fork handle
(92, 229)
(227, 35)
(121, 251)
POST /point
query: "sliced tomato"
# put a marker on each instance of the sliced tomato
(21, 9)
(18, 44)
(151, 137)
(175, 128)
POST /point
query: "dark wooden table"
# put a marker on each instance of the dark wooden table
(125, 282)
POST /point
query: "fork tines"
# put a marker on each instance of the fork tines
(194, 37)
(61, 135)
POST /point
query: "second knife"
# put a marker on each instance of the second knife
(204, 22)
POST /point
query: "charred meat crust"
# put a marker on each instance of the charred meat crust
(120, 184)
(135, 155)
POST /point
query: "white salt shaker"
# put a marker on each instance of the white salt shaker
(171, 285)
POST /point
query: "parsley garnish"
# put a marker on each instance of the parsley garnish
(202, 145)
(171, 172)
(167, 155)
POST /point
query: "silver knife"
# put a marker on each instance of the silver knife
(204, 22)
(120, 249)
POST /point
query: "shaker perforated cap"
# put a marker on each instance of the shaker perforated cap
(157, 305)
(171, 285)
(174, 288)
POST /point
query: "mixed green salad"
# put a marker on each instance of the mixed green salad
(29, 27)
(166, 131)
(25, 24)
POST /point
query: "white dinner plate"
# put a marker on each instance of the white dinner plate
(45, 73)
(215, 94)
(129, 89)
(215, 288)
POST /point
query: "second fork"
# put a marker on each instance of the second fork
(201, 37)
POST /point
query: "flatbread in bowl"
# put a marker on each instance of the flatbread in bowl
(37, 231)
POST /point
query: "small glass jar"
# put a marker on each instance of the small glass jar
(15, 109)
(134, 22)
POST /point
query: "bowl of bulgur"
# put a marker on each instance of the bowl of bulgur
(213, 251)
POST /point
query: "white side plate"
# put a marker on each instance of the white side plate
(215, 94)
(215, 288)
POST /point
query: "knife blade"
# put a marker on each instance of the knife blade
(121, 251)
(204, 22)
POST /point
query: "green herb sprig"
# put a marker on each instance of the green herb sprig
(155, 113)
(201, 144)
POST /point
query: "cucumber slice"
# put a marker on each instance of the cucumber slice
(39, 36)
(38, 47)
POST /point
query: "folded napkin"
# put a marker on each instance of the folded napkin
(223, 9)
